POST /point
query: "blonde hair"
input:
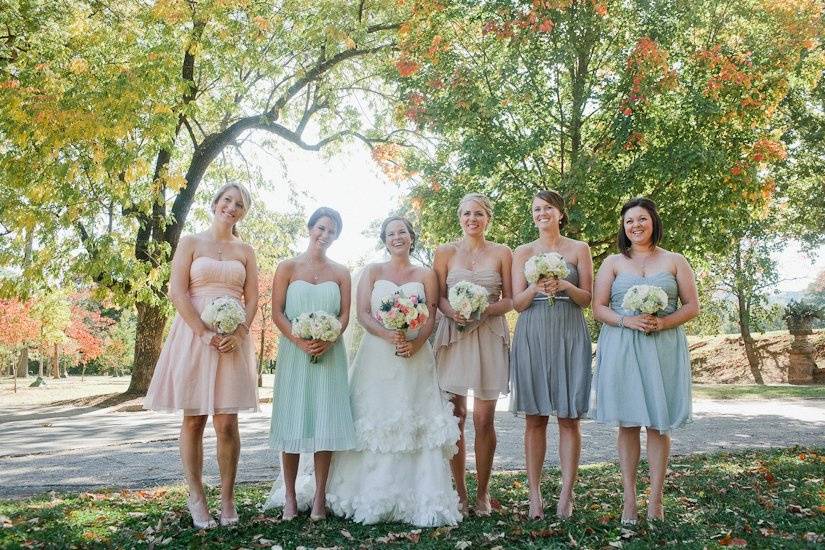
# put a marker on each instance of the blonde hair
(246, 199)
(485, 203)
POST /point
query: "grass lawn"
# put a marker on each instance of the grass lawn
(756, 391)
(760, 499)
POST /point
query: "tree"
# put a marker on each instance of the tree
(603, 101)
(19, 330)
(114, 113)
(53, 314)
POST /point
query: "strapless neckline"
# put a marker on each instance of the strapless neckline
(491, 270)
(217, 260)
(629, 274)
(310, 284)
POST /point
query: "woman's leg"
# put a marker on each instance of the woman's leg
(629, 450)
(319, 501)
(570, 446)
(289, 463)
(658, 451)
(484, 413)
(229, 449)
(458, 462)
(535, 448)
(191, 456)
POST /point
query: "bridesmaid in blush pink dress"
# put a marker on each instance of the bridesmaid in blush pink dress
(474, 355)
(202, 373)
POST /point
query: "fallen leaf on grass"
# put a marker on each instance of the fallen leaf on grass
(346, 534)
(798, 510)
(543, 533)
(441, 532)
(462, 544)
(5, 522)
(607, 518)
(495, 504)
(729, 540)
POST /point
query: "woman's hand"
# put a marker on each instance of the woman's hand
(319, 347)
(407, 348)
(654, 324)
(552, 286)
(641, 323)
(228, 343)
(459, 318)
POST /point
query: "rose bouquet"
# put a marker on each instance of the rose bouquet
(224, 314)
(402, 312)
(317, 325)
(648, 299)
(468, 299)
(549, 264)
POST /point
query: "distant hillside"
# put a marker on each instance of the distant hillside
(722, 360)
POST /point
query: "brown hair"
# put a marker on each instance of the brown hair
(642, 202)
(246, 199)
(554, 198)
(327, 212)
(406, 222)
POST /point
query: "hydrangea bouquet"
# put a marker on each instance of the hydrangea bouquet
(549, 264)
(317, 325)
(648, 299)
(468, 299)
(224, 314)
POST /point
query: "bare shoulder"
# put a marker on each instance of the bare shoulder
(188, 242)
(341, 271)
(424, 271)
(580, 247)
(523, 251)
(678, 260)
(502, 250)
(610, 263)
(285, 267)
(446, 249)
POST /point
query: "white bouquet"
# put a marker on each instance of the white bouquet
(468, 299)
(549, 264)
(224, 314)
(648, 299)
(317, 325)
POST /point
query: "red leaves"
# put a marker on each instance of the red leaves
(729, 540)
(406, 67)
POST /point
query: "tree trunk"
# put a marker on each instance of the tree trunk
(23, 363)
(148, 342)
(55, 363)
(261, 357)
(754, 361)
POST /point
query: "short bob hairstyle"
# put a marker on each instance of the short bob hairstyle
(406, 222)
(554, 198)
(643, 202)
(246, 198)
(327, 212)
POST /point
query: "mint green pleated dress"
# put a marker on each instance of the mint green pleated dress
(641, 379)
(310, 405)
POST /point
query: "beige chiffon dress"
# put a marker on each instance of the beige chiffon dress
(478, 357)
(194, 377)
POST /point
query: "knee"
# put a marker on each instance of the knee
(460, 412)
(569, 424)
(225, 427)
(484, 424)
(194, 424)
(535, 424)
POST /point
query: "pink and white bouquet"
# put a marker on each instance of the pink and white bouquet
(317, 325)
(224, 314)
(402, 312)
(549, 264)
(468, 299)
(648, 299)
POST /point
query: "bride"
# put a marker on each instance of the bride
(405, 430)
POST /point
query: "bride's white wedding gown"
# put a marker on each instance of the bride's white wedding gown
(405, 433)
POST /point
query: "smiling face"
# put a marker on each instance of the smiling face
(546, 214)
(473, 218)
(397, 238)
(638, 226)
(323, 233)
(229, 206)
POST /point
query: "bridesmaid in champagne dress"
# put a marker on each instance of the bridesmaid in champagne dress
(642, 362)
(551, 353)
(200, 372)
(310, 405)
(474, 355)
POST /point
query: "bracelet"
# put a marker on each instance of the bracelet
(621, 321)
(244, 325)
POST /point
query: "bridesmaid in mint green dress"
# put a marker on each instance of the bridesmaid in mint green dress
(310, 406)
(642, 362)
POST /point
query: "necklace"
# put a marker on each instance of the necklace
(644, 262)
(474, 256)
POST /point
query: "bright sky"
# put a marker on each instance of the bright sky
(352, 183)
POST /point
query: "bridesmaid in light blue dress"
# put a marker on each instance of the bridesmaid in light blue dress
(642, 362)
(310, 406)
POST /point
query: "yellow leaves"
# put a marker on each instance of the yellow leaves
(262, 23)
(78, 65)
(162, 109)
(171, 11)
(175, 182)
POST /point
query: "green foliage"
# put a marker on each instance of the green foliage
(604, 101)
(763, 499)
(802, 312)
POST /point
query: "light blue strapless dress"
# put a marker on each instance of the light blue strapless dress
(310, 405)
(642, 380)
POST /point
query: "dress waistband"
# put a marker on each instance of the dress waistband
(544, 298)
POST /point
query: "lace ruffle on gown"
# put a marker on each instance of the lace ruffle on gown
(405, 436)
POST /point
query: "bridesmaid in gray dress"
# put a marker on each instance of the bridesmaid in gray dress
(551, 353)
(642, 363)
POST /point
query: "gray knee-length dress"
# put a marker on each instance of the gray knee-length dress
(550, 359)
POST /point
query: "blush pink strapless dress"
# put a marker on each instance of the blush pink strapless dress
(193, 377)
